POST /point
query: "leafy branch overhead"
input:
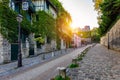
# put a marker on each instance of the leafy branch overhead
(109, 11)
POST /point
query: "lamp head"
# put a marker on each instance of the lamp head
(19, 18)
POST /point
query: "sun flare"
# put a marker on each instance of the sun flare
(73, 26)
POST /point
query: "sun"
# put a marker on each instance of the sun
(73, 25)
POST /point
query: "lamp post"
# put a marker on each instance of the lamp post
(19, 19)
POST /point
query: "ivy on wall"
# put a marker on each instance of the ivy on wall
(9, 24)
(45, 25)
(62, 23)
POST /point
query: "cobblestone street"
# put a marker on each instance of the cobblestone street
(36, 69)
(98, 64)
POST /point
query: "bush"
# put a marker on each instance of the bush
(79, 58)
(73, 65)
(58, 77)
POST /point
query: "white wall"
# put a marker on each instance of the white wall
(53, 12)
(63, 45)
(1, 49)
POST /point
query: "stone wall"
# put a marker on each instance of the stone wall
(32, 43)
(112, 38)
(25, 48)
(5, 50)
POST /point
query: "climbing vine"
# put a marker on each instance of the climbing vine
(9, 24)
(45, 25)
(62, 23)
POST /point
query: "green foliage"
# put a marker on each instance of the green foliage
(86, 34)
(58, 5)
(110, 10)
(73, 65)
(45, 25)
(79, 58)
(58, 41)
(9, 24)
(95, 36)
(62, 23)
(40, 40)
(58, 77)
(26, 24)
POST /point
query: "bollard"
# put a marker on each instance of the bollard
(43, 56)
(61, 51)
(53, 54)
(62, 72)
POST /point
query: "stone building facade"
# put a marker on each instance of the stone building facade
(112, 38)
(6, 52)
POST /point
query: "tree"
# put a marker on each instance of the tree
(95, 36)
(110, 11)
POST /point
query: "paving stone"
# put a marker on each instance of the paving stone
(99, 64)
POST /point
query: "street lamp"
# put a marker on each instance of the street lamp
(19, 19)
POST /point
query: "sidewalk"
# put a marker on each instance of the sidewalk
(98, 64)
(11, 68)
(49, 67)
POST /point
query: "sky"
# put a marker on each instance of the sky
(82, 12)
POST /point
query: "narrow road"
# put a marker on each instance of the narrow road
(48, 69)
(99, 63)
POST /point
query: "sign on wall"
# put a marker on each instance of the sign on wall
(25, 6)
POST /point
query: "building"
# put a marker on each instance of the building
(45, 5)
(48, 7)
(86, 33)
(86, 28)
(9, 51)
(76, 40)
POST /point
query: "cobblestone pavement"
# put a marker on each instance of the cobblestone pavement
(98, 64)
